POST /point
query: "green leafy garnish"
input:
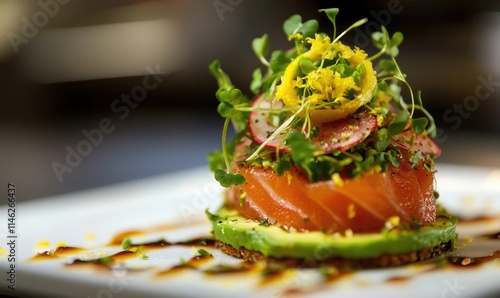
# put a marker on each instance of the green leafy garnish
(256, 83)
(126, 243)
(398, 124)
(294, 25)
(419, 124)
(282, 165)
(203, 253)
(302, 151)
(320, 73)
(260, 47)
(228, 179)
(332, 13)
(279, 61)
(385, 43)
(107, 261)
(264, 223)
(231, 99)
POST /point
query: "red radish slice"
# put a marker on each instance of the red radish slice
(409, 140)
(333, 136)
(260, 123)
(345, 133)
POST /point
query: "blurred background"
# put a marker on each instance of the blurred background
(100, 92)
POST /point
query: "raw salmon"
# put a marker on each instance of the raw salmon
(363, 204)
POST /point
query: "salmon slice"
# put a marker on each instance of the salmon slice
(281, 200)
(422, 204)
(363, 204)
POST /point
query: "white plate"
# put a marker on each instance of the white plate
(89, 220)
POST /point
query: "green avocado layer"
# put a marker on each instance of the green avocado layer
(272, 241)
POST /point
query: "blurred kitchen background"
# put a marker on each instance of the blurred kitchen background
(142, 66)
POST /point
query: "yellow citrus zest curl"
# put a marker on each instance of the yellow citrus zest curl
(326, 83)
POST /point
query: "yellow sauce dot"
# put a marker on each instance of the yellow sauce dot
(90, 237)
(43, 243)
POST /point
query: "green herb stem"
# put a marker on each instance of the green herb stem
(412, 98)
(377, 55)
(224, 143)
(264, 61)
(355, 25)
(354, 157)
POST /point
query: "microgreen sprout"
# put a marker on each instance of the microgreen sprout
(332, 13)
(353, 26)
(261, 46)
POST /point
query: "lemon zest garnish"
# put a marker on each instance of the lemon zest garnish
(337, 180)
(348, 107)
(289, 178)
(466, 240)
(351, 211)
(392, 222)
(382, 99)
(325, 85)
(380, 120)
(345, 135)
(243, 196)
(286, 91)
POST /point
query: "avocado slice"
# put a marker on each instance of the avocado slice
(273, 241)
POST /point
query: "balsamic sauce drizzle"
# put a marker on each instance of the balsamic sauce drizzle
(470, 253)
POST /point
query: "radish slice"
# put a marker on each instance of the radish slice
(409, 140)
(345, 133)
(262, 123)
(333, 136)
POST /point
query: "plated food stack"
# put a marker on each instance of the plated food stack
(329, 163)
